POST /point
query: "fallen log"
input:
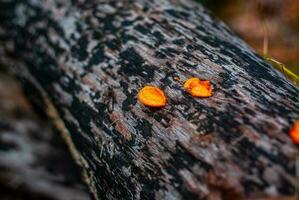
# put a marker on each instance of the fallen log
(83, 62)
(34, 161)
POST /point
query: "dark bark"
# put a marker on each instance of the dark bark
(87, 60)
(34, 161)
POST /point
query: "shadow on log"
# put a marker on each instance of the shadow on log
(83, 62)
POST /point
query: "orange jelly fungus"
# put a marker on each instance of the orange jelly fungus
(294, 132)
(152, 96)
(198, 88)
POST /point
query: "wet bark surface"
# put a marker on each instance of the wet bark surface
(85, 61)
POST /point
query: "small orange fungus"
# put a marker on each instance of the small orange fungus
(294, 132)
(198, 88)
(152, 96)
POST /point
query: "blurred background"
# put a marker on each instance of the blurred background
(266, 25)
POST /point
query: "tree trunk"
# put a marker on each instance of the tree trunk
(83, 62)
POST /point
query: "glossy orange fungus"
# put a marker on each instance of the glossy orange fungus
(152, 96)
(198, 88)
(294, 132)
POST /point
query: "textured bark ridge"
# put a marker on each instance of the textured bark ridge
(88, 59)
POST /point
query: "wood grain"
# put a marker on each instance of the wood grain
(87, 60)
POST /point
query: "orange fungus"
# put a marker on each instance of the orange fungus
(152, 96)
(294, 132)
(198, 88)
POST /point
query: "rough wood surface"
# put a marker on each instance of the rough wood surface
(34, 161)
(88, 59)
